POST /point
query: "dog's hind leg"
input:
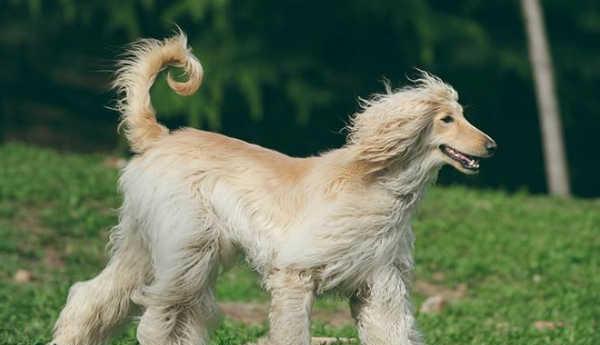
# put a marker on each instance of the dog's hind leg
(180, 308)
(96, 307)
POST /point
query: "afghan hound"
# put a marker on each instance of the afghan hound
(339, 221)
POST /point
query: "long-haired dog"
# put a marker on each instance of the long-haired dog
(338, 221)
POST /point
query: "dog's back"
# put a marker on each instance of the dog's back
(339, 220)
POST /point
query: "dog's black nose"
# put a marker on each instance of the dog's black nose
(491, 147)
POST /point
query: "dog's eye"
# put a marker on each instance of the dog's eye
(448, 119)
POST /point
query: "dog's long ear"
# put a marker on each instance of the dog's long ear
(379, 140)
(391, 126)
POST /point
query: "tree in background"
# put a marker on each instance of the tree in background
(286, 74)
(557, 174)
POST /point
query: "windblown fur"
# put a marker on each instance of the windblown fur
(136, 74)
(339, 221)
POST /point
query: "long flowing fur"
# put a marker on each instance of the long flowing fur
(135, 76)
(380, 135)
(335, 222)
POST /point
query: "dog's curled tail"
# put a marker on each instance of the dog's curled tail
(135, 76)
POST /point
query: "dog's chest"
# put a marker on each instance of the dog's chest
(366, 238)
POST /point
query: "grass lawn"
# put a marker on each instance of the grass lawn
(528, 267)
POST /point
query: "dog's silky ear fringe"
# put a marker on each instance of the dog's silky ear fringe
(390, 123)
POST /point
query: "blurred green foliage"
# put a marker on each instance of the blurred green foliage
(286, 74)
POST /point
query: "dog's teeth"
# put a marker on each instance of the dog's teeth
(466, 161)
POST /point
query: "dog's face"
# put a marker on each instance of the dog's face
(457, 142)
(424, 120)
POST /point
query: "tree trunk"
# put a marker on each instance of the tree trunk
(557, 175)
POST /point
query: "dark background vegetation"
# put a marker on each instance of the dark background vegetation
(286, 74)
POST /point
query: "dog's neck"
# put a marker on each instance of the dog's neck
(407, 180)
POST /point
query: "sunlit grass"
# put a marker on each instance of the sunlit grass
(524, 258)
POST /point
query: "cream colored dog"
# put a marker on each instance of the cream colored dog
(339, 221)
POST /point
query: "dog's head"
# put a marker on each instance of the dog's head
(423, 121)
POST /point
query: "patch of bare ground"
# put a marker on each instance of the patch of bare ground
(431, 289)
(22, 276)
(256, 313)
(53, 258)
(438, 295)
(543, 325)
(31, 222)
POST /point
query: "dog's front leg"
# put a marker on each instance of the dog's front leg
(383, 312)
(292, 297)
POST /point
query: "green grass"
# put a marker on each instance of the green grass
(524, 258)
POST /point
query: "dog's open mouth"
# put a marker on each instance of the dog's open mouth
(468, 162)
